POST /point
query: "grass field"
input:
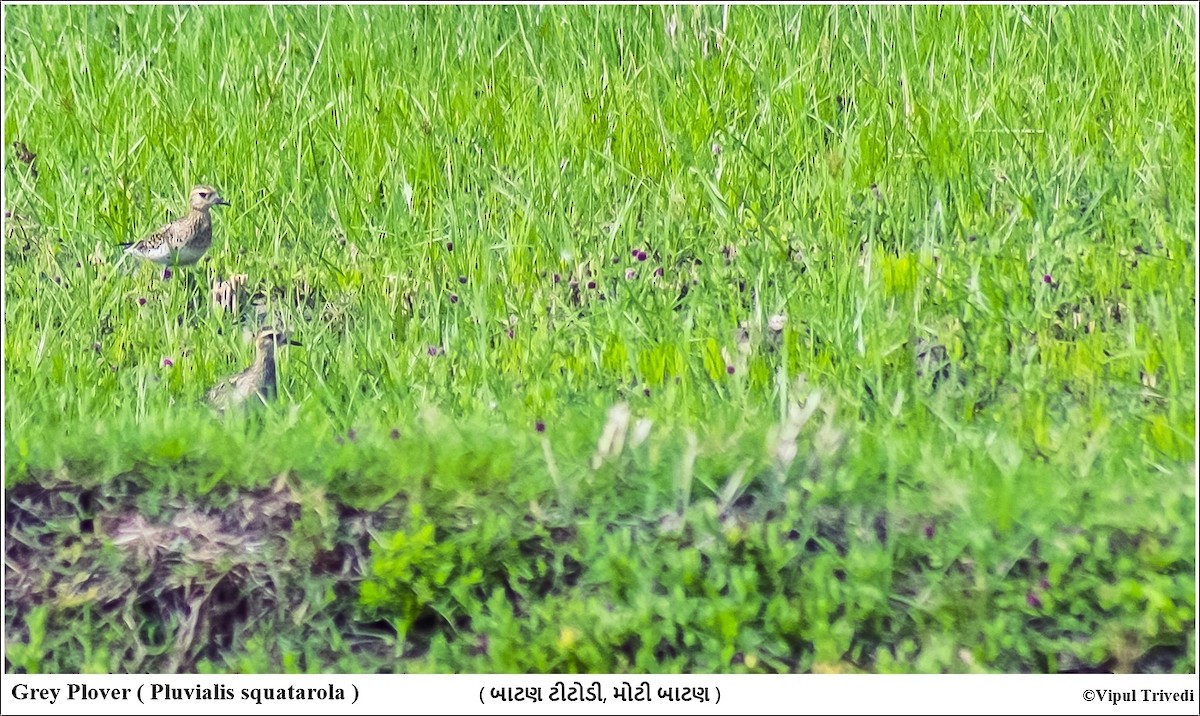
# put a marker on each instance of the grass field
(635, 340)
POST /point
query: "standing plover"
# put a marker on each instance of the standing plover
(183, 241)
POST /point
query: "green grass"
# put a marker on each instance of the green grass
(445, 206)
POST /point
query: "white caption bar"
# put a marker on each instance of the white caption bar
(605, 694)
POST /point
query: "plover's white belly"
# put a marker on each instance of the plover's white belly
(186, 255)
(167, 256)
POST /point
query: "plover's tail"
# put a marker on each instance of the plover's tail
(126, 251)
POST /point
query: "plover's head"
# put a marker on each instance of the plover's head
(204, 196)
(269, 337)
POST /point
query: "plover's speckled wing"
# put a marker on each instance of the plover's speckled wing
(157, 246)
(182, 241)
(231, 391)
(218, 395)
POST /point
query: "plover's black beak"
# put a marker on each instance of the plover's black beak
(222, 202)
